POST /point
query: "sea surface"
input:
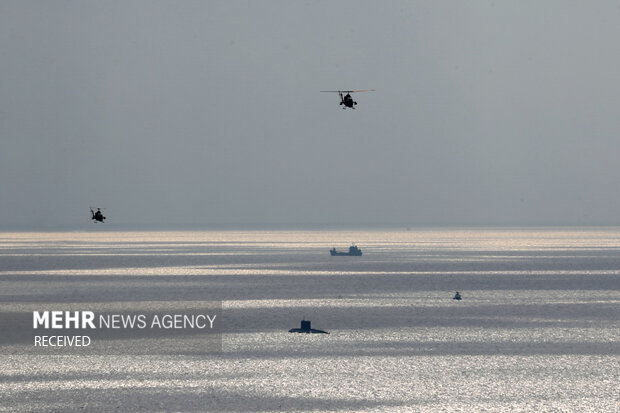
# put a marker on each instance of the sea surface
(537, 329)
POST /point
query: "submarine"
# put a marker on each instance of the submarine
(306, 328)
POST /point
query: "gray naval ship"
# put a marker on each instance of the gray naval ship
(353, 251)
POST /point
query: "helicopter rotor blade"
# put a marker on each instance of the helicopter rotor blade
(349, 91)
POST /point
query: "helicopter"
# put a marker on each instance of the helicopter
(346, 101)
(97, 216)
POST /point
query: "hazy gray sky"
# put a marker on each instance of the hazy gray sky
(209, 112)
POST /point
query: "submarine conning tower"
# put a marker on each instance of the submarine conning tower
(306, 327)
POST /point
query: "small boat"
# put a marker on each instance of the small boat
(353, 251)
(306, 327)
(457, 296)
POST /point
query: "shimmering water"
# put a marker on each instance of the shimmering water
(537, 329)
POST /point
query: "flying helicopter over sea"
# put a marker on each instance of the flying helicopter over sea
(97, 216)
(346, 101)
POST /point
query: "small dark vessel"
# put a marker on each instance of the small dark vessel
(353, 251)
(457, 296)
(306, 328)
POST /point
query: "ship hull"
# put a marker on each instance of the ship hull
(345, 254)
